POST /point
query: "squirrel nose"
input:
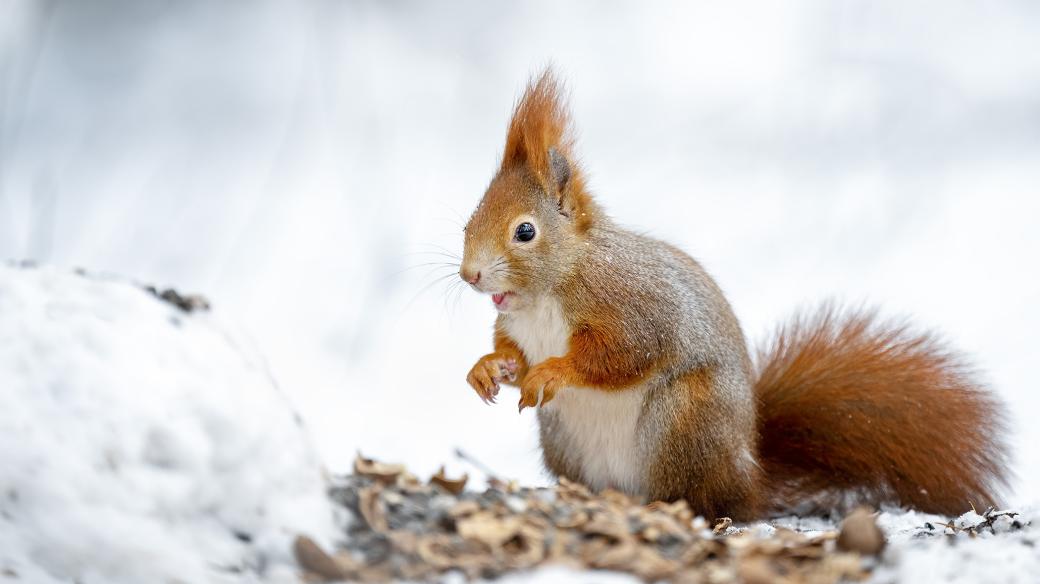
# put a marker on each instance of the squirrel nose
(469, 276)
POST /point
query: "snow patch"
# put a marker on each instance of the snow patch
(142, 444)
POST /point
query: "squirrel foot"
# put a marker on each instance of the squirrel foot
(543, 381)
(489, 372)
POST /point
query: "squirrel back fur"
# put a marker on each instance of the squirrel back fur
(643, 382)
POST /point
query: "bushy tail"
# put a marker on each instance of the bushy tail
(849, 405)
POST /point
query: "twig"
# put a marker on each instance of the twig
(491, 475)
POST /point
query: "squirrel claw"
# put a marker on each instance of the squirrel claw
(486, 376)
(542, 383)
(535, 399)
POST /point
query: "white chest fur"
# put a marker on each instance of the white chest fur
(598, 429)
(540, 329)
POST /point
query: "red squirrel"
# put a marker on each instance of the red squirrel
(642, 379)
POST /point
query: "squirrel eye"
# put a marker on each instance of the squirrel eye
(524, 232)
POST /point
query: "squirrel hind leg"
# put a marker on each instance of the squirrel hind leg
(716, 472)
(554, 452)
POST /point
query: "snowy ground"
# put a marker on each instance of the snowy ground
(142, 444)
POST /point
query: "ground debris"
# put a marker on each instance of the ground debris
(992, 521)
(186, 302)
(316, 562)
(401, 528)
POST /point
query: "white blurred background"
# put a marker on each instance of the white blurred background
(296, 161)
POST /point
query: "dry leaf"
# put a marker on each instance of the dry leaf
(721, 525)
(526, 549)
(404, 541)
(453, 486)
(384, 473)
(317, 561)
(372, 509)
(651, 566)
(488, 529)
(463, 508)
(680, 510)
(841, 567)
(572, 490)
(436, 551)
(806, 552)
(615, 497)
(607, 525)
(617, 556)
(656, 525)
(575, 519)
(757, 570)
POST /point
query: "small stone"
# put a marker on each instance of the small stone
(860, 533)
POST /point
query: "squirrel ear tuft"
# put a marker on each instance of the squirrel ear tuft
(540, 139)
(540, 125)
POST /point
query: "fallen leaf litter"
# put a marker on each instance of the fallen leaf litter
(401, 528)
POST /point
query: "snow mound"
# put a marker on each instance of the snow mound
(140, 443)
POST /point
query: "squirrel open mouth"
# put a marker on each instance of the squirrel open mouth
(499, 298)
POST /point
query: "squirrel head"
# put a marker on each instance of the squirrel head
(528, 230)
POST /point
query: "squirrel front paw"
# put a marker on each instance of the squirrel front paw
(542, 382)
(489, 372)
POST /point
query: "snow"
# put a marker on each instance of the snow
(965, 560)
(300, 163)
(915, 554)
(142, 444)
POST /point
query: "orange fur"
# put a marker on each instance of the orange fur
(540, 121)
(596, 357)
(847, 403)
(600, 359)
(545, 379)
